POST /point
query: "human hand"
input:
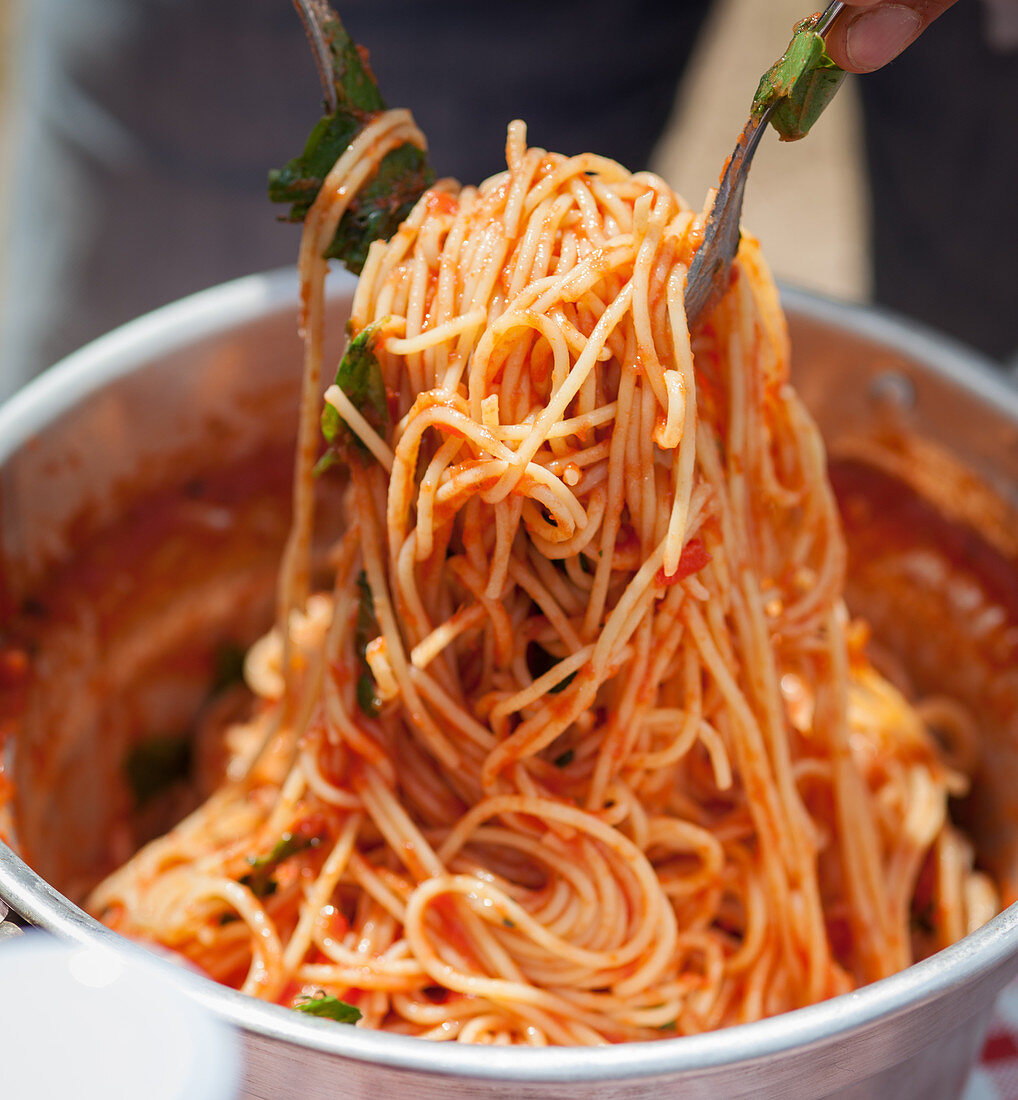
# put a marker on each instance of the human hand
(878, 30)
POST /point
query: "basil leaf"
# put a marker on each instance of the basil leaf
(367, 697)
(359, 376)
(800, 84)
(331, 1007)
(381, 206)
(299, 180)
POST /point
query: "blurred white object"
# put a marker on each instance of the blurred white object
(93, 1023)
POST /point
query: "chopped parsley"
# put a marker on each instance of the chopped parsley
(330, 1007)
(378, 208)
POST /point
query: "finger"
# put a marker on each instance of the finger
(866, 39)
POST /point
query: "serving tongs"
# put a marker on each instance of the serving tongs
(791, 95)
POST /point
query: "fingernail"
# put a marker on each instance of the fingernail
(878, 35)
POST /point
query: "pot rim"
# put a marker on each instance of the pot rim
(220, 309)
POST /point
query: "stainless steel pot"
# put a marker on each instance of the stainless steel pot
(210, 382)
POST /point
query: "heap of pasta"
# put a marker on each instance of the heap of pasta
(582, 745)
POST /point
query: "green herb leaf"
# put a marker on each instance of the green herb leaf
(360, 377)
(229, 667)
(299, 180)
(331, 1007)
(289, 844)
(563, 760)
(404, 174)
(365, 630)
(154, 765)
(562, 684)
(261, 881)
(381, 205)
(800, 84)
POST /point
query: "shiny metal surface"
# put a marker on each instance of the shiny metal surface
(708, 273)
(153, 389)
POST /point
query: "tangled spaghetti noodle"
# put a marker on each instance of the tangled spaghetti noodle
(624, 770)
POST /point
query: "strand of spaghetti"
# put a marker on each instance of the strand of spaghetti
(267, 950)
(762, 681)
(534, 250)
(554, 582)
(683, 467)
(613, 510)
(438, 743)
(418, 612)
(328, 792)
(354, 420)
(652, 210)
(387, 131)
(442, 412)
(538, 731)
(582, 165)
(525, 579)
(453, 712)
(492, 904)
(367, 878)
(750, 749)
(517, 995)
(657, 918)
(572, 897)
(520, 188)
(559, 401)
(429, 338)
(331, 870)
(391, 977)
(543, 684)
(445, 634)
(395, 825)
(415, 308)
(617, 759)
(508, 514)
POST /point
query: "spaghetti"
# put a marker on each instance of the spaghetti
(582, 745)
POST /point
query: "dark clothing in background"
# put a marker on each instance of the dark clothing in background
(147, 126)
(942, 143)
